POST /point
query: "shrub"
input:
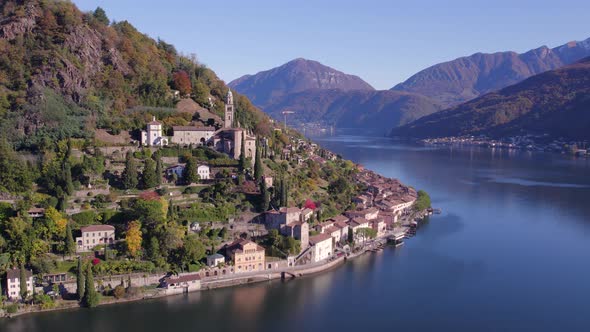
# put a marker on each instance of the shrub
(119, 292)
(12, 308)
(84, 218)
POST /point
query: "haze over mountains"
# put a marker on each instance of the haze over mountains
(463, 79)
(320, 94)
(555, 103)
(294, 76)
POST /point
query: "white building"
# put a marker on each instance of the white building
(204, 171)
(182, 283)
(95, 235)
(215, 260)
(152, 136)
(13, 283)
(321, 247)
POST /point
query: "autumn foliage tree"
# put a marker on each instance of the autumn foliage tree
(133, 238)
(182, 82)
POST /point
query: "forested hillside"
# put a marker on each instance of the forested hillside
(64, 73)
(554, 104)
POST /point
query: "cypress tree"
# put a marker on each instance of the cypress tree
(190, 172)
(243, 153)
(80, 280)
(130, 178)
(264, 197)
(23, 282)
(149, 174)
(70, 245)
(159, 167)
(91, 296)
(258, 169)
(67, 179)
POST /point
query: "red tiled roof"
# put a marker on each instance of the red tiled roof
(319, 238)
(184, 278)
(97, 228)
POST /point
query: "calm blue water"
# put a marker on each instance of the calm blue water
(511, 252)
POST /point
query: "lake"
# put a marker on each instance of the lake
(510, 252)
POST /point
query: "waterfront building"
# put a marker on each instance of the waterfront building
(355, 224)
(95, 235)
(182, 283)
(13, 283)
(321, 247)
(379, 226)
(246, 256)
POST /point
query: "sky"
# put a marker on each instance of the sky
(383, 42)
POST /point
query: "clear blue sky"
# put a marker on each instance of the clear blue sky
(383, 42)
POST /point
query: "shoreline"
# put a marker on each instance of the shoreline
(294, 273)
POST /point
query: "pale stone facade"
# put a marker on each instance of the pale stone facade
(204, 172)
(215, 260)
(190, 135)
(13, 283)
(321, 247)
(246, 256)
(152, 136)
(95, 235)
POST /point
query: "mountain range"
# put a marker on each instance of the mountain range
(321, 94)
(451, 83)
(555, 103)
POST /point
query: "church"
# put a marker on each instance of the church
(229, 139)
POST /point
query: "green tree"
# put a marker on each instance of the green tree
(159, 167)
(193, 250)
(150, 178)
(258, 167)
(130, 175)
(91, 298)
(70, 244)
(68, 185)
(80, 280)
(101, 16)
(264, 197)
(190, 172)
(242, 164)
(15, 176)
(423, 201)
(23, 283)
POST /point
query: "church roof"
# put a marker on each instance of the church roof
(192, 128)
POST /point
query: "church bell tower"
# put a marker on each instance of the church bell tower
(229, 111)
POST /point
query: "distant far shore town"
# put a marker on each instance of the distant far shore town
(526, 142)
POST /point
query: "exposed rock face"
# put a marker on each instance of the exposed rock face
(465, 78)
(294, 76)
(14, 26)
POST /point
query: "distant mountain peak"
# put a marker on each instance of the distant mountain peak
(465, 78)
(297, 75)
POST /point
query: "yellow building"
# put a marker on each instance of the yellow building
(246, 256)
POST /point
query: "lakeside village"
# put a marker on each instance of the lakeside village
(213, 207)
(526, 142)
